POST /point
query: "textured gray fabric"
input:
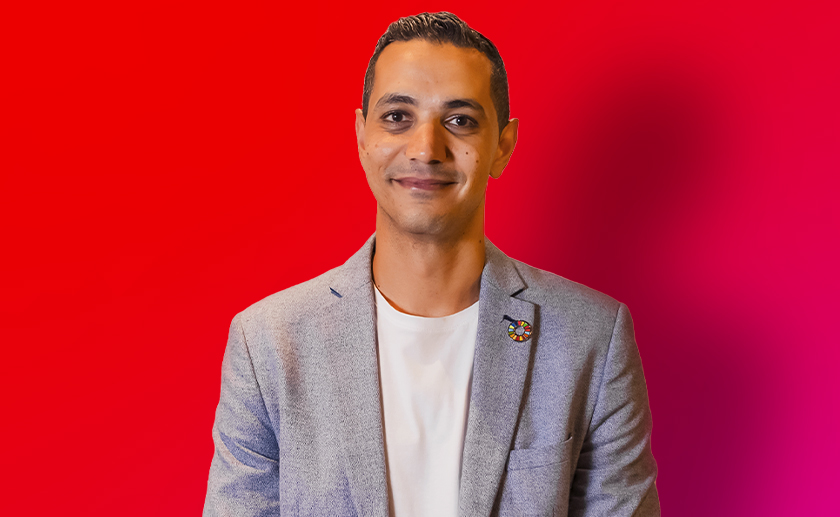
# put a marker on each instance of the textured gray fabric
(557, 425)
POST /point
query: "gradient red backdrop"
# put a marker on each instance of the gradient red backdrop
(166, 164)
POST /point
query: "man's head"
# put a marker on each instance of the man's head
(429, 136)
(443, 28)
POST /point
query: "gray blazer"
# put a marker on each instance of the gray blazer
(558, 424)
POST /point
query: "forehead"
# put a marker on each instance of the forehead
(431, 72)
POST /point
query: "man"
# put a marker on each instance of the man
(431, 375)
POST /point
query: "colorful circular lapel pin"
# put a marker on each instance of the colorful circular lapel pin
(519, 330)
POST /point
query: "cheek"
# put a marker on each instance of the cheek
(384, 151)
(378, 155)
(470, 161)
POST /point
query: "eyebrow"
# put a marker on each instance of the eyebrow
(464, 103)
(399, 98)
(396, 98)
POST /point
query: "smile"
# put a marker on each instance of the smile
(423, 184)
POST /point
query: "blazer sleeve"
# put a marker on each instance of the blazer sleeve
(244, 473)
(616, 472)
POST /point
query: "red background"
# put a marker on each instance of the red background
(164, 165)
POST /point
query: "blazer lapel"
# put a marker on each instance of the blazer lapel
(500, 369)
(351, 344)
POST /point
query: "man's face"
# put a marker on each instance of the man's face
(431, 140)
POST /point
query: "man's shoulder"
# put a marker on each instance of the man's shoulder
(555, 293)
(310, 298)
(294, 302)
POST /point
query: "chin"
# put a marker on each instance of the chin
(438, 220)
(423, 227)
(423, 224)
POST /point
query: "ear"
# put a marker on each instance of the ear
(507, 141)
(360, 130)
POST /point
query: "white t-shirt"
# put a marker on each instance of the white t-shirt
(425, 366)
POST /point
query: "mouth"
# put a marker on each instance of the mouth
(423, 184)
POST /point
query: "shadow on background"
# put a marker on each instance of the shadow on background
(646, 149)
(643, 150)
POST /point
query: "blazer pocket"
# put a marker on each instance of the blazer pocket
(537, 481)
(519, 459)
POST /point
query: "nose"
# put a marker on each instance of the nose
(427, 143)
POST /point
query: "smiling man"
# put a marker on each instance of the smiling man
(431, 375)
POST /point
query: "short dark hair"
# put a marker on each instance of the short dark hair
(444, 27)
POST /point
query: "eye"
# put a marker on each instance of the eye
(394, 116)
(463, 121)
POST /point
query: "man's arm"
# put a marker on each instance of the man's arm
(244, 473)
(616, 471)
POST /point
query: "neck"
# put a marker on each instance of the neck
(427, 275)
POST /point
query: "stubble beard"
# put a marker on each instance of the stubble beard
(417, 224)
